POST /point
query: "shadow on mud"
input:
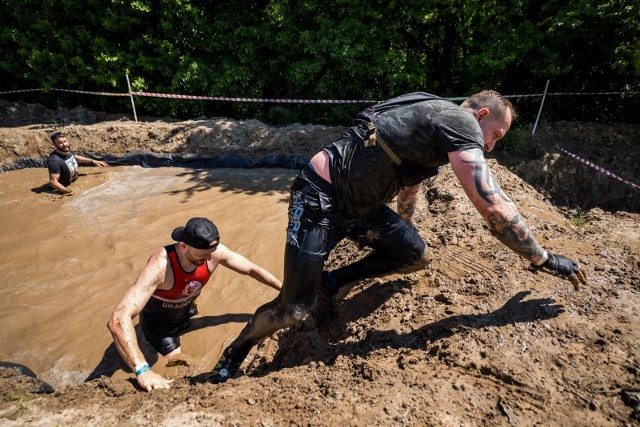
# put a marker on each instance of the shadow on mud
(308, 342)
(515, 310)
(112, 362)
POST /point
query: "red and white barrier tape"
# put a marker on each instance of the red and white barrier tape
(92, 93)
(596, 167)
(20, 91)
(291, 101)
(568, 93)
(67, 90)
(239, 99)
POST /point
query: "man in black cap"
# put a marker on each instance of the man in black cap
(63, 164)
(165, 292)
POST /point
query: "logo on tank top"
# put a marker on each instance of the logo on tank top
(192, 288)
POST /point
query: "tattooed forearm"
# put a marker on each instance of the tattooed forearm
(485, 181)
(502, 216)
(515, 234)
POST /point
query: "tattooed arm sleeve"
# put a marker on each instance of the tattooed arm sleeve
(406, 202)
(501, 215)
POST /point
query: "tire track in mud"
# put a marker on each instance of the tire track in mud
(462, 263)
(513, 398)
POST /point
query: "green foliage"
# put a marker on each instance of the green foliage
(580, 220)
(21, 403)
(312, 49)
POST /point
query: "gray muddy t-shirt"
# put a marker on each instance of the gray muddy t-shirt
(420, 133)
(66, 166)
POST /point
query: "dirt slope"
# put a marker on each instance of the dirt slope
(478, 338)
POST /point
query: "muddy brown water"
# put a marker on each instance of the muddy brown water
(67, 260)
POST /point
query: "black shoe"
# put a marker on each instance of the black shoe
(226, 367)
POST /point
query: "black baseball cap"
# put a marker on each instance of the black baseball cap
(199, 233)
(56, 134)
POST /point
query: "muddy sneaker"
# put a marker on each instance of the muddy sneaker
(226, 367)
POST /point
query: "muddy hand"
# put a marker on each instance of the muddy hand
(564, 267)
(579, 277)
(150, 381)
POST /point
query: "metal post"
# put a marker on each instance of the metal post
(133, 105)
(540, 111)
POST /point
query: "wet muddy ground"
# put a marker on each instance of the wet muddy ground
(477, 338)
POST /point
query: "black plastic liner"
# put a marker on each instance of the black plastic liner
(151, 160)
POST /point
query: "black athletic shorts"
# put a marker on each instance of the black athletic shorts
(163, 334)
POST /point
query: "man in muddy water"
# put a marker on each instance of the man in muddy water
(344, 190)
(63, 163)
(165, 292)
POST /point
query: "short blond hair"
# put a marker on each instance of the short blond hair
(492, 100)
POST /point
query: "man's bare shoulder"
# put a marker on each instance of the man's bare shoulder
(159, 259)
(221, 253)
(160, 254)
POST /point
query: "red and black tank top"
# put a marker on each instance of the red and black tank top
(186, 285)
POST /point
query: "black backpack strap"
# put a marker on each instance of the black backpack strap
(374, 137)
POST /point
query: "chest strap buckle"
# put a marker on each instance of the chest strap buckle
(373, 136)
